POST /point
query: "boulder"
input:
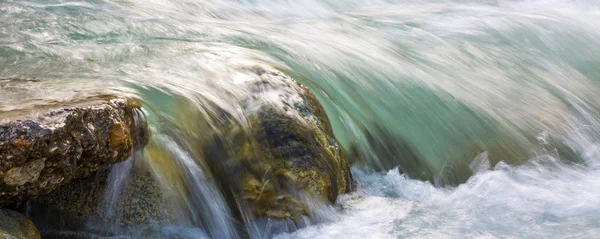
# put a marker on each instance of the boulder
(13, 225)
(281, 155)
(41, 152)
(271, 160)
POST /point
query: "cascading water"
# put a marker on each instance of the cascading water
(471, 118)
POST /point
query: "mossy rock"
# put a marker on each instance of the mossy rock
(284, 152)
(82, 205)
(13, 225)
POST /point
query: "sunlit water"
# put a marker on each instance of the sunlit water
(507, 90)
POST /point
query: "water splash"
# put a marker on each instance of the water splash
(202, 201)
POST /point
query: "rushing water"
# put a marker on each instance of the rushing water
(506, 90)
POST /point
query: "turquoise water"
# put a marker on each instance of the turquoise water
(505, 90)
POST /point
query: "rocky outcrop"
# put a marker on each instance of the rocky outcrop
(13, 225)
(40, 153)
(272, 160)
(283, 151)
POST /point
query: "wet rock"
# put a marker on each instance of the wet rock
(283, 151)
(39, 153)
(85, 204)
(15, 226)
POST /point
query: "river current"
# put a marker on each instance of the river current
(498, 99)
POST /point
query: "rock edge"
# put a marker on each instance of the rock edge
(38, 155)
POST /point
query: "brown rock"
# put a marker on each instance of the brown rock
(39, 154)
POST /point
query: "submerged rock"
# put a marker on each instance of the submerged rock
(40, 153)
(13, 225)
(283, 153)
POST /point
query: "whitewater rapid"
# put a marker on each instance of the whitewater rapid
(530, 201)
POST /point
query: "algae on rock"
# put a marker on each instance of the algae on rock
(284, 152)
(139, 201)
(13, 225)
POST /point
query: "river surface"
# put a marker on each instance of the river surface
(498, 99)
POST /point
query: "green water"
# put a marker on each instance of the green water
(446, 83)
